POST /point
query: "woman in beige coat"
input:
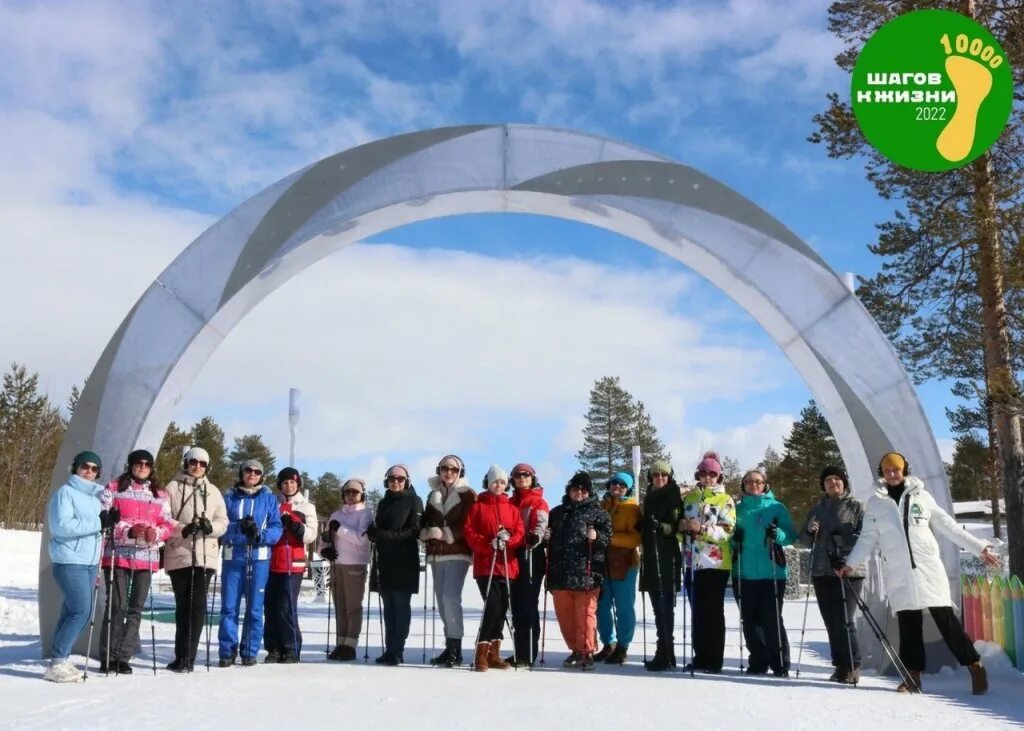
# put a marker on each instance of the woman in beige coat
(191, 554)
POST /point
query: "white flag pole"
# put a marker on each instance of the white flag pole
(636, 469)
(293, 422)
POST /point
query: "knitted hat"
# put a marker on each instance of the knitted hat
(893, 460)
(625, 478)
(251, 464)
(86, 457)
(523, 467)
(288, 473)
(394, 469)
(833, 471)
(140, 455)
(710, 463)
(495, 473)
(660, 466)
(354, 483)
(197, 453)
(580, 479)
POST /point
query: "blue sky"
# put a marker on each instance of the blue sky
(130, 128)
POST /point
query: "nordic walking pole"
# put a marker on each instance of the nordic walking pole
(775, 590)
(738, 591)
(693, 619)
(637, 458)
(329, 586)
(879, 633)
(846, 617)
(508, 588)
(208, 617)
(425, 559)
(129, 584)
(487, 594)
(366, 629)
(152, 622)
(544, 623)
(92, 626)
(529, 578)
(192, 579)
(807, 601)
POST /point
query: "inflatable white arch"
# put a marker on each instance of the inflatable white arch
(849, 366)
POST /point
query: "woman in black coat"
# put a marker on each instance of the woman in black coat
(579, 532)
(395, 569)
(661, 565)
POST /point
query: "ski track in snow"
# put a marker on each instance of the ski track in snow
(316, 693)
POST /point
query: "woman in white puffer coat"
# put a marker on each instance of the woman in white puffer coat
(901, 520)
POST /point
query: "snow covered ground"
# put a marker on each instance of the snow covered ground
(318, 694)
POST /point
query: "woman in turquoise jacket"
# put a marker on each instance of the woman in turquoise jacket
(763, 527)
(73, 517)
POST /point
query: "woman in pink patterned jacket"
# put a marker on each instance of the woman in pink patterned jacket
(142, 521)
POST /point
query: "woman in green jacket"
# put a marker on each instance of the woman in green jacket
(763, 527)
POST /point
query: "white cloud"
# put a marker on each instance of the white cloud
(746, 443)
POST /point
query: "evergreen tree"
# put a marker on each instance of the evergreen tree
(615, 424)
(251, 446)
(732, 475)
(327, 496)
(950, 283)
(969, 474)
(168, 458)
(31, 430)
(809, 447)
(206, 433)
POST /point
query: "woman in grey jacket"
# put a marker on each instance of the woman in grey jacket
(831, 530)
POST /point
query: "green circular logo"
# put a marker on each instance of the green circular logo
(932, 90)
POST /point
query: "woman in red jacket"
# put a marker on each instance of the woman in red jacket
(494, 530)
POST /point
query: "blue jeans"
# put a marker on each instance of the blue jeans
(76, 582)
(621, 593)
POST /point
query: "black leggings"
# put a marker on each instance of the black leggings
(495, 608)
(912, 637)
(198, 579)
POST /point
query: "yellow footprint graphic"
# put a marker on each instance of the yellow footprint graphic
(972, 82)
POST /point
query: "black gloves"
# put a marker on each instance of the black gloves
(109, 518)
(333, 526)
(737, 536)
(249, 529)
(294, 522)
(532, 539)
(190, 529)
(293, 517)
(771, 533)
(371, 531)
(205, 526)
(329, 552)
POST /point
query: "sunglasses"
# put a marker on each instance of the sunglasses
(518, 475)
(89, 467)
(616, 483)
(395, 478)
(703, 473)
(449, 468)
(251, 471)
(197, 463)
(579, 488)
(142, 463)
(352, 492)
(659, 474)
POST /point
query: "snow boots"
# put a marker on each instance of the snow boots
(451, 656)
(846, 676)
(664, 659)
(494, 658)
(915, 676)
(606, 652)
(342, 653)
(62, 671)
(979, 678)
(617, 656)
(587, 662)
(483, 650)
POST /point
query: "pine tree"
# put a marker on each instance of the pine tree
(732, 474)
(168, 458)
(615, 424)
(206, 433)
(969, 474)
(251, 446)
(809, 447)
(327, 495)
(31, 430)
(954, 249)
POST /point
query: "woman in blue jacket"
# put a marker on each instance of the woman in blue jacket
(73, 517)
(763, 527)
(254, 527)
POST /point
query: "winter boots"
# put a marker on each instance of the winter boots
(62, 671)
(617, 656)
(451, 656)
(342, 653)
(606, 652)
(494, 658)
(226, 662)
(915, 677)
(180, 665)
(664, 659)
(846, 676)
(587, 662)
(390, 659)
(272, 657)
(483, 650)
(979, 678)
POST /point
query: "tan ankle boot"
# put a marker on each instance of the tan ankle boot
(915, 675)
(483, 649)
(979, 678)
(494, 658)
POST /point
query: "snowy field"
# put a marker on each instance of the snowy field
(316, 694)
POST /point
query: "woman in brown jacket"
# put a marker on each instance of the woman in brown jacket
(448, 554)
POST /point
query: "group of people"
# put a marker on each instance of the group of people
(590, 555)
